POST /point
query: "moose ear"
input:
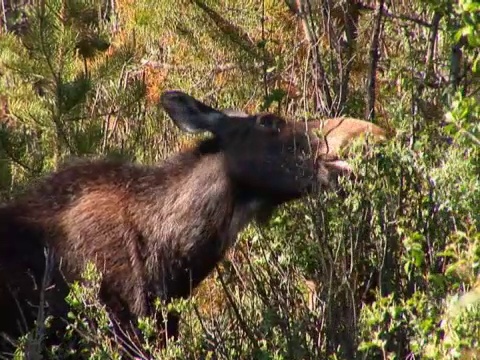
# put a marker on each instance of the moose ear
(235, 113)
(189, 114)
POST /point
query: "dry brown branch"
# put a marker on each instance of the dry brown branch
(432, 41)
(3, 20)
(11, 155)
(234, 32)
(387, 14)
(236, 310)
(34, 345)
(374, 57)
(323, 98)
(429, 78)
(217, 69)
(351, 18)
(456, 62)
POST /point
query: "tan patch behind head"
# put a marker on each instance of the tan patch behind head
(337, 133)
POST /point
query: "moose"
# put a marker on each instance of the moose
(158, 231)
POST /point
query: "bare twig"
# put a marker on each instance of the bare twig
(351, 18)
(217, 69)
(33, 350)
(467, 133)
(235, 309)
(265, 64)
(374, 57)
(404, 17)
(4, 16)
(432, 41)
(456, 62)
(15, 159)
(429, 76)
(323, 98)
(234, 32)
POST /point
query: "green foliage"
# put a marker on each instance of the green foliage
(394, 256)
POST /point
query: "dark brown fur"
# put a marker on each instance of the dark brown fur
(153, 231)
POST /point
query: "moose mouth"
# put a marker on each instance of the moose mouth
(338, 165)
(330, 168)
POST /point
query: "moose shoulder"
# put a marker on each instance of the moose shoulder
(154, 231)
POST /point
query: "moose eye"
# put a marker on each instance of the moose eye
(270, 121)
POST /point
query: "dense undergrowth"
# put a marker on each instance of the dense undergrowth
(388, 268)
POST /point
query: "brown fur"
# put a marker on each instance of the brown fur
(153, 231)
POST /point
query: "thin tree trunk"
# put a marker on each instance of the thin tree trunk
(432, 41)
(351, 15)
(374, 57)
(323, 97)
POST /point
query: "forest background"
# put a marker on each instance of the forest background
(389, 272)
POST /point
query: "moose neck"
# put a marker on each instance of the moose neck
(199, 199)
(202, 208)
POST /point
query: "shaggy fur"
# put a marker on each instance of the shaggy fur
(153, 231)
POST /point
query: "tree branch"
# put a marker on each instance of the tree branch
(432, 42)
(374, 57)
(323, 103)
(387, 14)
(456, 62)
(234, 32)
(351, 18)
